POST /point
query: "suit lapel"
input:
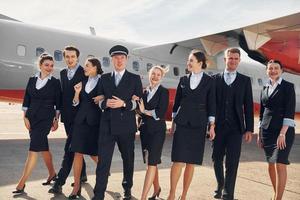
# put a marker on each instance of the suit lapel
(275, 91)
(155, 95)
(123, 82)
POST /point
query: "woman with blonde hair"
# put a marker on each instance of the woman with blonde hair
(153, 106)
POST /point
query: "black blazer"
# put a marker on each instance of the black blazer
(42, 103)
(88, 110)
(280, 105)
(243, 100)
(195, 105)
(120, 120)
(159, 102)
(68, 111)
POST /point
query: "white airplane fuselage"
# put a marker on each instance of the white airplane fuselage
(20, 45)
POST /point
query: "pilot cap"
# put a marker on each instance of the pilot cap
(118, 50)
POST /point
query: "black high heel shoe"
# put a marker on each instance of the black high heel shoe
(48, 182)
(17, 191)
(77, 195)
(155, 195)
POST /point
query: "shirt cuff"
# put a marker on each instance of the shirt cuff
(24, 108)
(175, 113)
(211, 119)
(75, 103)
(289, 122)
(133, 105)
(259, 124)
(100, 103)
(153, 114)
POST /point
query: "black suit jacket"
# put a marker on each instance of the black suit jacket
(88, 110)
(42, 103)
(68, 111)
(159, 102)
(121, 120)
(243, 100)
(280, 105)
(195, 105)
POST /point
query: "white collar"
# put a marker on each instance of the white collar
(47, 77)
(226, 72)
(74, 68)
(269, 83)
(120, 72)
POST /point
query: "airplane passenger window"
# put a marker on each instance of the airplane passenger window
(135, 65)
(176, 71)
(149, 66)
(106, 61)
(39, 51)
(21, 50)
(260, 82)
(58, 55)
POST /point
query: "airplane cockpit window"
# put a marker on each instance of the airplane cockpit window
(39, 51)
(106, 61)
(58, 55)
(21, 50)
(135, 65)
(260, 82)
(176, 71)
(149, 66)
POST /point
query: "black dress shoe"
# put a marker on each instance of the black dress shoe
(82, 180)
(218, 193)
(17, 191)
(56, 189)
(75, 196)
(127, 194)
(48, 182)
(155, 195)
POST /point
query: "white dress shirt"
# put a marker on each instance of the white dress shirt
(229, 77)
(71, 71)
(91, 83)
(195, 79)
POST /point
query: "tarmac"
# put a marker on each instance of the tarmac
(252, 181)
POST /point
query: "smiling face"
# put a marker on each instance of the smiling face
(155, 76)
(232, 61)
(46, 67)
(274, 71)
(119, 61)
(71, 58)
(193, 64)
(90, 69)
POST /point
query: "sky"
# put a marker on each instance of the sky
(148, 22)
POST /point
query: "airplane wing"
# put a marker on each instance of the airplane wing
(274, 39)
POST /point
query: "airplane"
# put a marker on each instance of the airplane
(279, 39)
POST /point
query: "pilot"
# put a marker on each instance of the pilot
(118, 122)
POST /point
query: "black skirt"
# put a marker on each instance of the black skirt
(188, 145)
(272, 153)
(38, 134)
(152, 143)
(85, 139)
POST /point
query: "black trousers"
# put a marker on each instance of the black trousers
(68, 158)
(106, 144)
(227, 143)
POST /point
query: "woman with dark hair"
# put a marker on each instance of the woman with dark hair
(86, 127)
(194, 108)
(277, 132)
(41, 106)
